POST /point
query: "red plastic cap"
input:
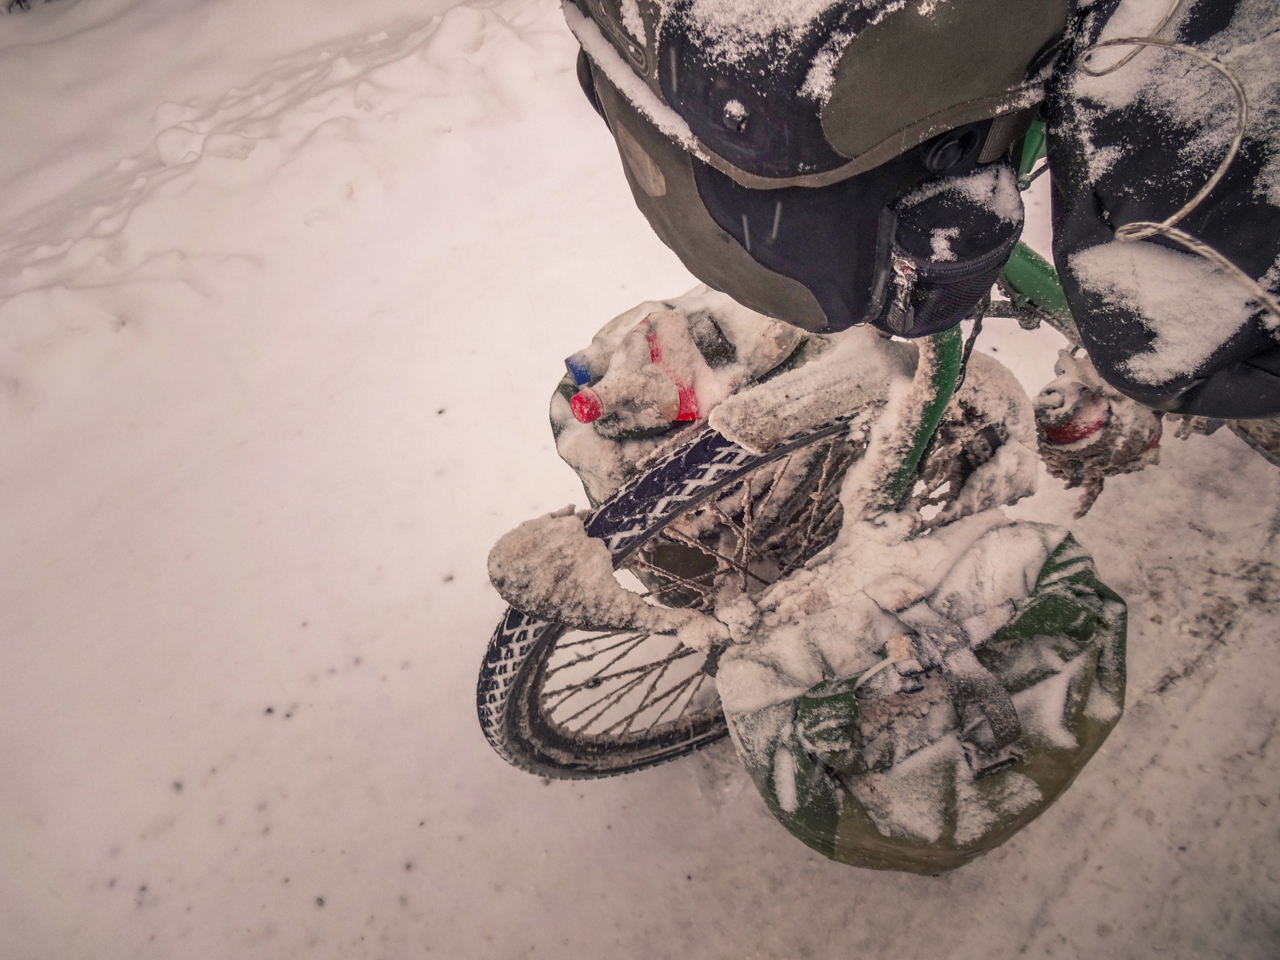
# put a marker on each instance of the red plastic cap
(586, 406)
(688, 404)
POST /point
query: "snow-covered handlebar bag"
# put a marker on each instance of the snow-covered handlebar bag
(917, 709)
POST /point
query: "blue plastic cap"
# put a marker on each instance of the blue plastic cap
(577, 367)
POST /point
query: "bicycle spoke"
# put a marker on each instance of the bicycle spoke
(592, 639)
(778, 474)
(744, 533)
(678, 582)
(614, 646)
(616, 696)
(595, 680)
(700, 677)
(754, 510)
(672, 696)
(644, 702)
(744, 545)
(816, 497)
(676, 535)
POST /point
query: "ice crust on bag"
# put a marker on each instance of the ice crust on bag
(822, 622)
(1191, 307)
(1187, 92)
(993, 188)
(620, 74)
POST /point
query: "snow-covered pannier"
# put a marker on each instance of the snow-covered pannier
(921, 720)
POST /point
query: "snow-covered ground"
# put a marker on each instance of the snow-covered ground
(284, 289)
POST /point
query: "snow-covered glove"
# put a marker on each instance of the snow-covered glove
(1088, 431)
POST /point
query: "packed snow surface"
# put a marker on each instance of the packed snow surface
(267, 408)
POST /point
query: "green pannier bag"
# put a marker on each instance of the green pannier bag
(916, 708)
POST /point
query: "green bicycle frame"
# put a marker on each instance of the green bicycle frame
(1028, 278)
(1034, 288)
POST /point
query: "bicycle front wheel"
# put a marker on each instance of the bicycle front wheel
(708, 522)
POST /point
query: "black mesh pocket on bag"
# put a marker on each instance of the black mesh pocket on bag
(949, 242)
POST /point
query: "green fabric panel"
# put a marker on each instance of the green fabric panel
(825, 721)
(1070, 607)
(910, 77)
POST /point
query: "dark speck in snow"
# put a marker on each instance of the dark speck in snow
(440, 411)
(448, 578)
(688, 876)
(319, 901)
(177, 786)
(305, 624)
(269, 711)
(409, 865)
(111, 883)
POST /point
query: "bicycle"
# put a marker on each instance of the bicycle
(567, 703)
